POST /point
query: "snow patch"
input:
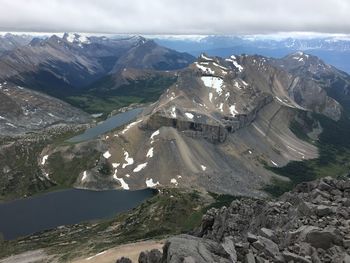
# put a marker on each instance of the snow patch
(107, 155)
(205, 69)
(124, 185)
(84, 176)
(233, 110)
(210, 96)
(115, 165)
(174, 181)
(234, 62)
(150, 153)
(150, 183)
(203, 167)
(129, 160)
(153, 135)
(130, 126)
(43, 161)
(237, 85)
(140, 167)
(189, 115)
(275, 164)
(244, 83)
(222, 67)
(221, 107)
(173, 112)
(206, 58)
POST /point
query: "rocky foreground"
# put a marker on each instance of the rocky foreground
(309, 224)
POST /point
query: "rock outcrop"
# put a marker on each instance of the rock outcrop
(309, 224)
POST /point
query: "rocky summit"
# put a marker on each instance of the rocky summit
(309, 224)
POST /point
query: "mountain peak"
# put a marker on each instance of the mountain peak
(76, 38)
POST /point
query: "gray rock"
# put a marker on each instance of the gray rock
(251, 238)
(153, 256)
(322, 238)
(249, 258)
(346, 243)
(346, 258)
(323, 186)
(229, 247)
(269, 247)
(124, 260)
(185, 248)
(268, 233)
(288, 256)
(323, 210)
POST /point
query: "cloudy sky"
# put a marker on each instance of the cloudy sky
(176, 16)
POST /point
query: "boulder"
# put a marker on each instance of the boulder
(186, 248)
(249, 258)
(268, 247)
(251, 237)
(323, 210)
(322, 238)
(153, 256)
(268, 233)
(124, 260)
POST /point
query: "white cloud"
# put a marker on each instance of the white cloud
(176, 16)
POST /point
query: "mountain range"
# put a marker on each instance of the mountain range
(225, 125)
(73, 61)
(212, 129)
(334, 50)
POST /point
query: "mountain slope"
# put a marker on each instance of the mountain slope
(23, 111)
(220, 126)
(10, 42)
(60, 66)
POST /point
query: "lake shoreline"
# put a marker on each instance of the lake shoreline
(23, 217)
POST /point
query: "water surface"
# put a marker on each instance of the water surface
(107, 125)
(27, 216)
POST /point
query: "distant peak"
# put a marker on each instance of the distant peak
(76, 38)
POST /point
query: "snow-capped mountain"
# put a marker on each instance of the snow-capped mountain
(335, 50)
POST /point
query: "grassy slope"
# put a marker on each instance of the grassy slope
(334, 159)
(22, 159)
(103, 97)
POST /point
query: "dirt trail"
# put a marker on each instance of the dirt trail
(131, 251)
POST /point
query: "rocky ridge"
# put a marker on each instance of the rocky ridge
(308, 224)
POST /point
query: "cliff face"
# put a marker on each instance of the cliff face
(216, 132)
(309, 224)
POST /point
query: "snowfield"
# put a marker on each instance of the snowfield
(214, 83)
(140, 167)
